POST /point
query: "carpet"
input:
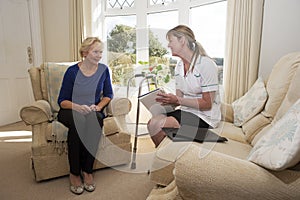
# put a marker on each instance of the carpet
(17, 183)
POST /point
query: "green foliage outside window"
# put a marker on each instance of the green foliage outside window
(121, 43)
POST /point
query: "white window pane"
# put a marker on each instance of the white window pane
(159, 53)
(209, 23)
(160, 23)
(121, 47)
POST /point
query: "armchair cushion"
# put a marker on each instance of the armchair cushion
(279, 148)
(250, 104)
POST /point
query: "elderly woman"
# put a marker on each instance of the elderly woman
(86, 89)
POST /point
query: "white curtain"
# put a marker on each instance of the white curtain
(243, 39)
(76, 28)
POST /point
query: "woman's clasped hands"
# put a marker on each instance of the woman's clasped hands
(85, 109)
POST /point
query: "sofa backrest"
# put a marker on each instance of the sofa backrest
(293, 94)
(277, 86)
(279, 82)
(286, 79)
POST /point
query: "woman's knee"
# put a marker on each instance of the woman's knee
(155, 124)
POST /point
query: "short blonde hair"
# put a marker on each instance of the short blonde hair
(87, 43)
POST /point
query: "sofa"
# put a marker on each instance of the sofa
(259, 161)
(49, 137)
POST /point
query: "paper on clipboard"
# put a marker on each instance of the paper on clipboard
(148, 100)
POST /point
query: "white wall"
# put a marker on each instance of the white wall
(55, 24)
(281, 32)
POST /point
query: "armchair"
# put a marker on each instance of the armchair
(49, 137)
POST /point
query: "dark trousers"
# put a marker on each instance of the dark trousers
(83, 138)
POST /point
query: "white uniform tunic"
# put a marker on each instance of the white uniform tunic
(204, 78)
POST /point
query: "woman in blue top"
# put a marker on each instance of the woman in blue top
(86, 89)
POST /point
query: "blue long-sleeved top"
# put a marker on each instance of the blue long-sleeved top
(85, 90)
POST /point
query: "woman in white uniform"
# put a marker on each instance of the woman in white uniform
(197, 92)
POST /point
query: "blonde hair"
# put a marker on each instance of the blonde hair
(184, 31)
(87, 43)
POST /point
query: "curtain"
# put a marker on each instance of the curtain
(76, 28)
(243, 38)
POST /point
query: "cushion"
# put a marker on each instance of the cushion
(230, 131)
(111, 126)
(252, 127)
(250, 104)
(54, 73)
(260, 134)
(279, 148)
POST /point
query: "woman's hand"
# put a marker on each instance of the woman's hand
(95, 108)
(204, 103)
(83, 109)
(167, 99)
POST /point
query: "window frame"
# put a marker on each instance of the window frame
(142, 9)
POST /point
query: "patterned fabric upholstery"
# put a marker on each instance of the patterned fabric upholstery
(54, 74)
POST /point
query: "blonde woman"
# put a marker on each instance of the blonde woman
(86, 89)
(196, 77)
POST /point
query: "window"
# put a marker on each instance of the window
(162, 2)
(160, 60)
(134, 32)
(139, 40)
(120, 3)
(159, 23)
(209, 23)
(121, 47)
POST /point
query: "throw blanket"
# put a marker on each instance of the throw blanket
(58, 136)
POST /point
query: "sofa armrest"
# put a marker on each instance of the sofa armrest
(118, 106)
(220, 176)
(37, 112)
(227, 112)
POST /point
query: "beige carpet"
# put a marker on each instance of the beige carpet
(16, 181)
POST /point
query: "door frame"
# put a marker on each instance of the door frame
(35, 27)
